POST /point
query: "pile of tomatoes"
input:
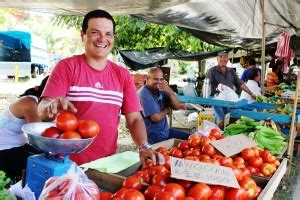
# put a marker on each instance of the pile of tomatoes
(153, 182)
(69, 127)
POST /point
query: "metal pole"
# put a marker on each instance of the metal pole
(293, 128)
(263, 43)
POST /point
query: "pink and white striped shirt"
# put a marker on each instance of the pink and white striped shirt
(98, 95)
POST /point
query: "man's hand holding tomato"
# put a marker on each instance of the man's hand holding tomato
(51, 107)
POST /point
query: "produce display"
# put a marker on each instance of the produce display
(69, 127)
(153, 182)
(264, 133)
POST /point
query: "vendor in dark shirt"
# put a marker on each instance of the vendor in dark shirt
(221, 74)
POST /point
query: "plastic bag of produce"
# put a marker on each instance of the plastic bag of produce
(226, 93)
(74, 185)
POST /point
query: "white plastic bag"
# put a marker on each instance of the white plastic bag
(21, 193)
(206, 126)
(74, 185)
(226, 93)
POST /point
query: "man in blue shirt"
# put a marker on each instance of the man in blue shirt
(157, 98)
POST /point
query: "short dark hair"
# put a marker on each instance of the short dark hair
(253, 73)
(252, 61)
(96, 14)
(37, 90)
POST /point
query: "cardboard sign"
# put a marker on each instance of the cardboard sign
(202, 172)
(233, 145)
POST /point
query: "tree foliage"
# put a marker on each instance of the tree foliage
(133, 33)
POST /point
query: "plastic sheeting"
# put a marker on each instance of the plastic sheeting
(231, 22)
(158, 56)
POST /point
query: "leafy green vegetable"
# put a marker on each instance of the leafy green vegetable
(4, 181)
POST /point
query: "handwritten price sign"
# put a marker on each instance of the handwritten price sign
(233, 145)
(202, 172)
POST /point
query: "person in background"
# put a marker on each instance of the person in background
(275, 77)
(157, 100)
(252, 65)
(14, 150)
(221, 74)
(94, 88)
(253, 85)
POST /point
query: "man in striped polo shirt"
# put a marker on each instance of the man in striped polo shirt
(95, 88)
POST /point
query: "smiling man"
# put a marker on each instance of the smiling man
(221, 74)
(94, 88)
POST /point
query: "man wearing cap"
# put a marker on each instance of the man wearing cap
(221, 74)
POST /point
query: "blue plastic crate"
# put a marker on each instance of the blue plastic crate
(279, 118)
(212, 102)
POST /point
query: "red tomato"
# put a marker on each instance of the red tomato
(175, 189)
(268, 169)
(237, 172)
(164, 196)
(175, 152)
(236, 194)
(226, 161)
(208, 149)
(162, 150)
(252, 170)
(239, 165)
(215, 162)
(105, 195)
(239, 159)
(256, 162)
(250, 186)
(88, 129)
(276, 163)
(247, 183)
(159, 169)
(215, 133)
(151, 191)
(167, 161)
(132, 182)
(187, 153)
(248, 153)
(218, 192)
(159, 180)
(70, 135)
(205, 141)
(194, 140)
(133, 194)
(66, 121)
(204, 157)
(196, 152)
(187, 198)
(256, 151)
(143, 175)
(200, 191)
(194, 158)
(185, 184)
(267, 157)
(246, 172)
(183, 145)
(51, 132)
(120, 193)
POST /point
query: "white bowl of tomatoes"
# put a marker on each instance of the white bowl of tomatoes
(33, 133)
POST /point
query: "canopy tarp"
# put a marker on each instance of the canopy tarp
(231, 23)
(137, 60)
